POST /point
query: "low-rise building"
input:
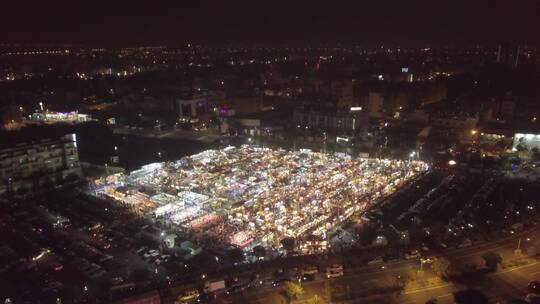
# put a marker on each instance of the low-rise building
(331, 120)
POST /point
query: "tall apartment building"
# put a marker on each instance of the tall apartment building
(32, 165)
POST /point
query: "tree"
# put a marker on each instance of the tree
(139, 275)
(470, 296)
(72, 177)
(367, 235)
(22, 191)
(492, 260)
(288, 243)
(235, 255)
(532, 251)
(293, 290)
(259, 251)
(441, 267)
(47, 183)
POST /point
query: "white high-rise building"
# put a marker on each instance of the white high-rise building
(31, 165)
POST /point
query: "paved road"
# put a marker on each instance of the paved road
(363, 283)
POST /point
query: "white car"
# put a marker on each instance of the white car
(334, 271)
(312, 270)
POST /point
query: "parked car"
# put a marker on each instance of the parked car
(235, 289)
(375, 261)
(310, 270)
(188, 297)
(334, 271)
(279, 282)
(412, 255)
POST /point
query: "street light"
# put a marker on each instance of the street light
(422, 262)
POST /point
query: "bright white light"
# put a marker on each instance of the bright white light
(353, 109)
(452, 162)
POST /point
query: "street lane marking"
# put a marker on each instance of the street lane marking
(426, 289)
(516, 268)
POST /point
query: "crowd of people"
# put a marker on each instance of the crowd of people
(251, 196)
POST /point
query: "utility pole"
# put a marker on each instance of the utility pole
(518, 249)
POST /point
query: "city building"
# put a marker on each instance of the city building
(462, 126)
(342, 93)
(196, 103)
(29, 166)
(331, 120)
(59, 117)
(503, 108)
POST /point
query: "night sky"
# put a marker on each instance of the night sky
(117, 22)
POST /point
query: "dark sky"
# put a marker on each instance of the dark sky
(175, 22)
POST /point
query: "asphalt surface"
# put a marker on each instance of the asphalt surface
(377, 283)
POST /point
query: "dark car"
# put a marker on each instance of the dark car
(308, 277)
(279, 282)
(207, 297)
(534, 286)
(235, 289)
